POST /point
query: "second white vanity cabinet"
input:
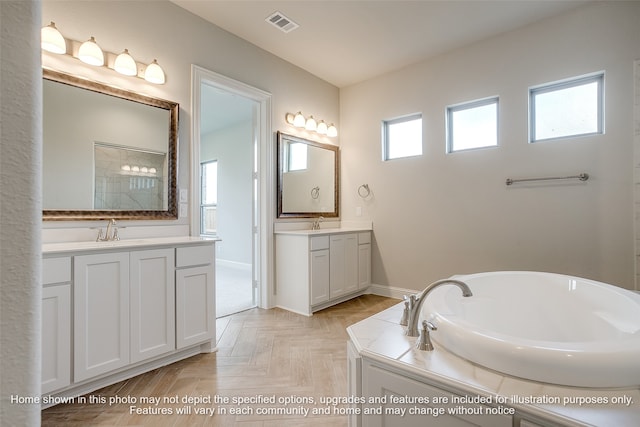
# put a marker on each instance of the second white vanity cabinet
(315, 270)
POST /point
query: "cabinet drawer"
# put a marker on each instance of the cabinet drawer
(194, 255)
(319, 242)
(364, 238)
(56, 270)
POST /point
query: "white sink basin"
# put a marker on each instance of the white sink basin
(544, 327)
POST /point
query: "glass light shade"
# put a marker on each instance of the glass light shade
(311, 124)
(289, 118)
(322, 128)
(299, 120)
(52, 40)
(332, 131)
(125, 64)
(90, 53)
(154, 73)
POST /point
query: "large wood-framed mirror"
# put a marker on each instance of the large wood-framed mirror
(308, 179)
(107, 152)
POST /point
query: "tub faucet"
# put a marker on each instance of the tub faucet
(415, 302)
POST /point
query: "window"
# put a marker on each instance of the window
(566, 109)
(208, 197)
(402, 137)
(472, 125)
(296, 156)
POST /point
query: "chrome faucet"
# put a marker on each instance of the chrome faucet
(316, 223)
(413, 303)
(111, 234)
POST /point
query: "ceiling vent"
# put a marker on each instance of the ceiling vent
(281, 22)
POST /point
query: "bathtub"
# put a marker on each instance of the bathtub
(545, 327)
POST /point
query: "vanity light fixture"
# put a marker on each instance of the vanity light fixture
(299, 120)
(52, 40)
(90, 53)
(125, 64)
(322, 128)
(154, 73)
(310, 124)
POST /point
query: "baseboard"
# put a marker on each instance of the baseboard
(389, 291)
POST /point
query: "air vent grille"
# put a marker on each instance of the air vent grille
(281, 22)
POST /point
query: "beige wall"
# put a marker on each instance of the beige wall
(176, 38)
(443, 214)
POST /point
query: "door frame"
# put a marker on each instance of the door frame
(263, 264)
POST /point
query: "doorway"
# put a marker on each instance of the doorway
(228, 158)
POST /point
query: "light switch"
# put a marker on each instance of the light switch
(184, 195)
(184, 210)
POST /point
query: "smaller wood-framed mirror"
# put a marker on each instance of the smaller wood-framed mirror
(107, 152)
(308, 178)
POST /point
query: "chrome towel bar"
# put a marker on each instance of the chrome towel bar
(581, 177)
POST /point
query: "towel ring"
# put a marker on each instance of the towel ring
(315, 192)
(364, 191)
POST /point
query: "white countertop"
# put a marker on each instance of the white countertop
(382, 339)
(322, 231)
(68, 247)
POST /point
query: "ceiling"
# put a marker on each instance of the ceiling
(347, 42)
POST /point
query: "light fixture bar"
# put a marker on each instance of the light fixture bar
(90, 53)
(310, 124)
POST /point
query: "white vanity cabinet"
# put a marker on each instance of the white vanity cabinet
(56, 323)
(117, 310)
(195, 295)
(315, 270)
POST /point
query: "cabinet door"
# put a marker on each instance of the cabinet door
(195, 305)
(101, 314)
(319, 276)
(351, 263)
(343, 250)
(152, 296)
(364, 265)
(56, 337)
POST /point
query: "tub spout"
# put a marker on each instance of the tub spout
(416, 301)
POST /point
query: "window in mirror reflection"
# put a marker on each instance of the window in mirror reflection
(297, 157)
(128, 179)
(208, 197)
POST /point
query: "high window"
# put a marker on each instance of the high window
(567, 109)
(402, 137)
(472, 125)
